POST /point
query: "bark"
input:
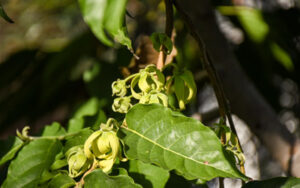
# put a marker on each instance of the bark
(244, 98)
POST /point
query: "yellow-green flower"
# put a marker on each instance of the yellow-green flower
(104, 147)
(154, 97)
(119, 88)
(122, 104)
(77, 161)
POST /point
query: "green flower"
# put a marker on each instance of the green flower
(154, 97)
(151, 79)
(148, 80)
(121, 104)
(77, 161)
(104, 147)
(119, 88)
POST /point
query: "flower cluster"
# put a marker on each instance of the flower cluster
(146, 87)
(101, 148)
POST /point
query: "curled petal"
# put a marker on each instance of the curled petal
(77, 161)
(119, 88)
(122, 104)
(89, 142)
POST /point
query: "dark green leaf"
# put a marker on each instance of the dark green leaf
(161, 39)
(279, 182)
(29, 165)
(61, 181)
(98, 178)
(55, 129)
(14, 144)
(106, 16)
(149, 176)
(4, 15)
(158, 135)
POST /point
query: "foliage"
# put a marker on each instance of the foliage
(143, 149)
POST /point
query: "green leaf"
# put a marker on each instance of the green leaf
(106, 16)
(78, 139)
(248, 18)
(75, 125)
(279, 182)
(4, 15)
(161, 39)
(14, 145)
(93, 12)
(88, 108)
(28, 167)
(114, 19)
(149, 176)
(282, 56)
(98, 178)
(61, 181)
(155, 134)
(55, 129)
(88, 114)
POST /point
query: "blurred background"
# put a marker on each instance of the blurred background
(52, 68)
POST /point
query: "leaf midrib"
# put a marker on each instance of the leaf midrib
(172, 151)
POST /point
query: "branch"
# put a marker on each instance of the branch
(168, 31)
(224, 108)
(244, 98)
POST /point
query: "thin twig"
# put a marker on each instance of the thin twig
(221, 182)
(81, 182)
(224, 108)
(168, 31)
(169, 18)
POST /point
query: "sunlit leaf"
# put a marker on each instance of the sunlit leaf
(106, 16)
(14, 144)
(29, 165)
(93, 12)
(88, 108)
(155, 134)
(55, 129)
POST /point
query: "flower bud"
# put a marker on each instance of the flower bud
(77, 161)
(122, 104)
(119, 88)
